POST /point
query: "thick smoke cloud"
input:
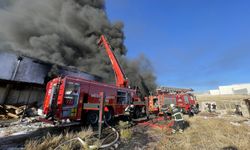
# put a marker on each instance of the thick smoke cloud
(64, 32)
(140, 73)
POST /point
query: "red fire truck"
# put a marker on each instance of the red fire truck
(77, 99)
(186, 101)
(168, 95)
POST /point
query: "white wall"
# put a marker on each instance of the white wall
(225, 90)
(214, 92)
(241, 87)
(232, 89)
(243, 91)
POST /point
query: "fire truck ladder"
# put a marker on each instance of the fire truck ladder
(173, 90)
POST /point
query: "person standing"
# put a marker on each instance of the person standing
(178, 119)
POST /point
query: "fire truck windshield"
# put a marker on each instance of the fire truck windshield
(71, 94)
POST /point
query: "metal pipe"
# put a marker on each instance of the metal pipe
(19, 59)
(9, 86)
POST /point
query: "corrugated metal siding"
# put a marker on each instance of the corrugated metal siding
(21, 94)
(7, 65)
(33, 71)
(2, 90)
(28, 86)
(28, 70)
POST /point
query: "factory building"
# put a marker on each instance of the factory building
(23, 79)
(242, 89)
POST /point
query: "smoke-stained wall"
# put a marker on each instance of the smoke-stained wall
(31, 70)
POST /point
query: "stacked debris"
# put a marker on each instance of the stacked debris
(14, 112)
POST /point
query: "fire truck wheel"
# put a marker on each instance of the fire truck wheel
(137, 113)
(109, 116)
(93, 117)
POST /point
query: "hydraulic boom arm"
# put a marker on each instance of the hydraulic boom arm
(121, 79)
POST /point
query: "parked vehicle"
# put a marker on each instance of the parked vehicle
(165, 96)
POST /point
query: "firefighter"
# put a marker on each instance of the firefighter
(191, 111)
(238, 110)
(197, 106)
(209, 107)
(167, 112)
(213, 107)
(178, 119)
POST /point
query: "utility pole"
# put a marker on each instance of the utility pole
(101, 108)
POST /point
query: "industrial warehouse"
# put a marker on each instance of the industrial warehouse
(73, 76)
(243, 89)
(23, 79)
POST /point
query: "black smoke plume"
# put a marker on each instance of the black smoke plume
(65, 32)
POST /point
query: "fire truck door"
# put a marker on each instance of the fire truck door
(186, 99)
(71, 100)
(122, 102)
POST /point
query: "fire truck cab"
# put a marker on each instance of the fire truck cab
(156, 103)
(177, 96)
(185, 101)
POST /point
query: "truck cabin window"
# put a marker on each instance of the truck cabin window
(122, 97)
(168, 101)
(186, 99)
(155, 102)
(71, 96)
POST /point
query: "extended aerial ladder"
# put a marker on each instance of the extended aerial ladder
(173, 90)
(121, 79)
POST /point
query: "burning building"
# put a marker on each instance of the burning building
(23, 79)
(66, 32)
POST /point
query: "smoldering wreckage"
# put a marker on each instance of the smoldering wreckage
(59, 60)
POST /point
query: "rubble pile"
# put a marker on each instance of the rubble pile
(14, 112)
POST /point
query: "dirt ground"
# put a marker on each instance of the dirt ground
(206, 131)
(218, 98)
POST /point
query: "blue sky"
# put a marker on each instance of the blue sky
(199, 44)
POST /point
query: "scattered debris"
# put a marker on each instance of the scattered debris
(82, 143)
(10, 112)
(235, 123)
(65, 140)
(24, 127)
(247, 122)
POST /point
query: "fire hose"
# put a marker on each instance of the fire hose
(85, 145)
(113, 142)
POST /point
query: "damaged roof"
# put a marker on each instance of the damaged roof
(14, 67)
